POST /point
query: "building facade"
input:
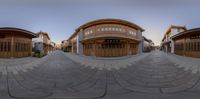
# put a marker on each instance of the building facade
(42, 42)
(187, 43)
(15, 42)
(58, 47)
(107, 38)
(147, 44)
(66, 46)
(52, 47)
(167, 43)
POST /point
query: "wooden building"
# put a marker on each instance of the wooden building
(107, 38)
(147, 45)
(42, 42)
(187, 43)
(15, 42)
(64, 45)
(52, 46)
(167, 43)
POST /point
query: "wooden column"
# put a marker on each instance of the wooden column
(12, 46)
(94, 48)
(184, 46)
(72, 47)
(127, 48)
(30, 48)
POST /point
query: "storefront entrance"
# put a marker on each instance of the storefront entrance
(16, 47)
(5, 48)
(109, 47)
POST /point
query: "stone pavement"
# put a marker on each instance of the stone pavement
(187, 63)
(155, 75)
(106, 63)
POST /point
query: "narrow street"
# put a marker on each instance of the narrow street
(154, 76)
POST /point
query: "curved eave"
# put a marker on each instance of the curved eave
(33, 35)
(110, 21)
(173, 26)
(44, 33)
(75, 33)
(107, 21)
(186, 32)
(110, 37)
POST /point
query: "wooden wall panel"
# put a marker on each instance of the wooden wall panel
(106, 49)
(191, 49)
(21, 47)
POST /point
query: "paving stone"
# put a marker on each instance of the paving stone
(64, 75)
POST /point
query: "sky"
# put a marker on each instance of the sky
(60, 18)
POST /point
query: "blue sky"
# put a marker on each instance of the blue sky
(61, 17)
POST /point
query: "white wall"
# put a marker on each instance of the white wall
(39, 39)
(174, 31)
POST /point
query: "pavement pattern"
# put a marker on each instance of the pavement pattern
(60, 75)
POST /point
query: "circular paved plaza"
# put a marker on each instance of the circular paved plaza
(60, 75)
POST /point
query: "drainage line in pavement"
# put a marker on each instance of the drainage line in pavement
(90, 86)
(197, 81)
(97, 97)
(130, 91)
(106, 87)
(130, 84)
(12, 96)
(7, 84)
(91, 75)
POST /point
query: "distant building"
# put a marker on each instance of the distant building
(66, 46)
(107, 38)
(42, 42)
(58, 47)
(15, 42)
(52, 46)
(147, 44)
(167, 43)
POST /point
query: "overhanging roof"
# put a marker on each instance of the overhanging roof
(19, 30)
(186, 32)
(173, 26)
(44, 33)
(106, 21)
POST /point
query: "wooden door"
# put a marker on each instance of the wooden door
(5, 48)
(22, 47)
